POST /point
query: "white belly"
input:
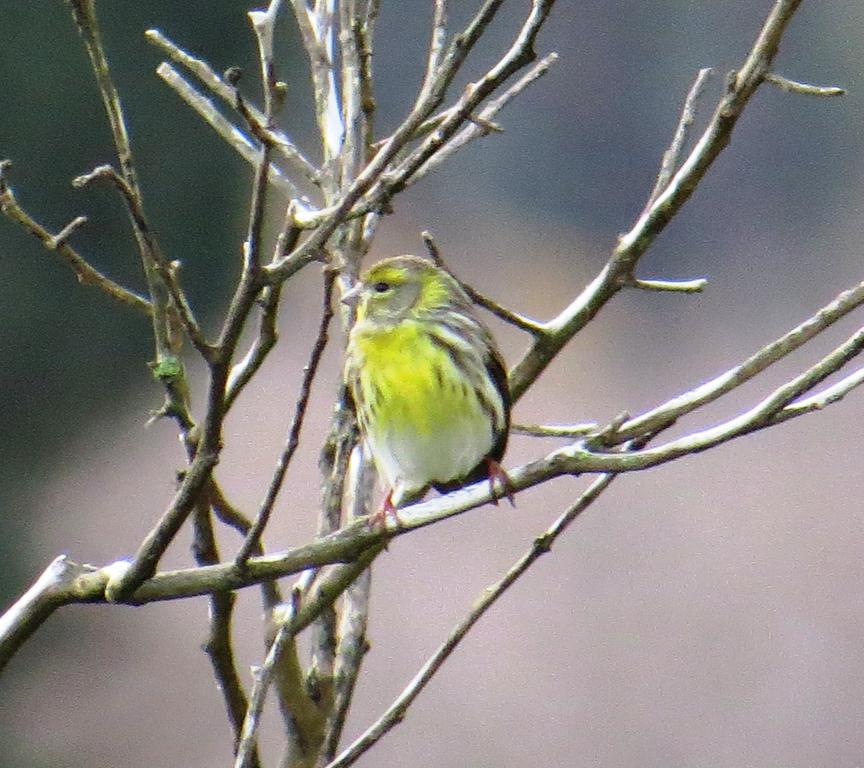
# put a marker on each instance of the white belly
(408, 462)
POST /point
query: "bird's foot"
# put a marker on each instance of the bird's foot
(499, 476)
(378, 519)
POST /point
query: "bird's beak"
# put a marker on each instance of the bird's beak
(352, 295)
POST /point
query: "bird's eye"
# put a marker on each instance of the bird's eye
(381, 287)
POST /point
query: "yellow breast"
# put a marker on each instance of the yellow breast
(408, 382)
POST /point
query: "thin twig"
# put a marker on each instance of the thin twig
(179, 303)
(520, 53)
(218, 644)
(711, 390)
(219, 123)
(84, 12)
(555, 430)
(226, 92)
(365, 33)
(299, 616)
(352, 645)
(542, 544)
(84, 271)
(793, 86)
(263, 677)
(436, 47)
(828, 396)
(333, 464)
(480, 124)
(316, 31)
(672, 156)
(268, 300)
(143, 565)
(669, 286)
(253, 538)
(519, 321)
(265, 340)
(228, 514)
(302, 710)
(64, 234)
(653, 221)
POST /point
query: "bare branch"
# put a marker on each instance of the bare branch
(209, 446)
(268, 300)
(253, 538)
(792, 86)
(480, 124)
(321, 595)
(672, 156)
(352, 645)
(436, 48)
(87, 584)
(316, 30)
(519, 54)
(302, 711)
(631, 246)
(243, 371)
(75, 584)
(84, 271)
(669, 286)
(84, 12)
(165, 271)
(34, 607)
(556, 430)
(143, 565)
(519, 321)
(396, 711)
(64, 234)
(830, 395)
(228, 514)
(218, 644)
(736, 376)
(219, 123)
(226, 92)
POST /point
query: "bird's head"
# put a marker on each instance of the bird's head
(400, 287)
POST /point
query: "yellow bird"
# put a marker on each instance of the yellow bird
(428, 383)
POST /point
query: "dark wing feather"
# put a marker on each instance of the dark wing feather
(496, 369)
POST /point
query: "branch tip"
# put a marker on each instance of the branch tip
(669, 286)
(64, 234)
(806, 89)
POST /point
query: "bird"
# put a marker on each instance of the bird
(427, 381)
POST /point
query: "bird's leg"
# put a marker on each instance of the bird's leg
(378, 519)
(499, 474)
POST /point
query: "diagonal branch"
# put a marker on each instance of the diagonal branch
(321, 595)
(653, 221)
(711, 390)
(326, 222)
(85, 584)
(84, 12)
(207, 111)
(253, 537)
(396, 711)
(217, 85)
(84, 271)
(672, 156)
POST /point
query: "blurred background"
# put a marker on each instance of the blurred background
(708, 612)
